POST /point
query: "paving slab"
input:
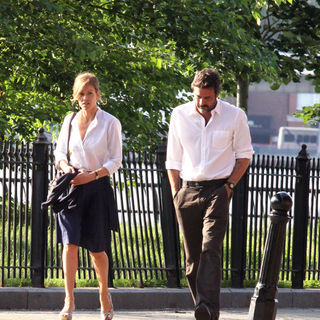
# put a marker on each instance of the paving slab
(226, 314)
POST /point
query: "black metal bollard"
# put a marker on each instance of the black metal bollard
(301, 214)
(264, 301)
(39, 194)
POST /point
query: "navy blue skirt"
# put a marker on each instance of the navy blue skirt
(88, 223)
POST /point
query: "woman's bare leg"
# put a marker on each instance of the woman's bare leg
(101, 266)
(70, 265)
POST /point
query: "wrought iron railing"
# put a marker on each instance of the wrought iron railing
(148, 246)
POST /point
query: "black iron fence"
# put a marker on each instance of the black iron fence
(149, 246)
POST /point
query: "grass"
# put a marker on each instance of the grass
(124, 257)
(133, 283)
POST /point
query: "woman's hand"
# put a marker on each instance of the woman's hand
(65, 167)
(82, 177)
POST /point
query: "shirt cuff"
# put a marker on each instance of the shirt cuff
(58, 157)
(174, 165)
(112, 167)
(244, 155)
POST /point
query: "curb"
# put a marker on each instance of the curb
(145, 299)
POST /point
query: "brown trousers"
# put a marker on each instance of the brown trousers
(202, 214)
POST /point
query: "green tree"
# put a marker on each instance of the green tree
(291, 33)
(144, 53)
(311, 38)
(276, 44)
(44, 44)
(224, 34)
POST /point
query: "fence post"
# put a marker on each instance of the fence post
(301, 213)
(168, 221)
(264, 301)
(38, 218)
(239, 232)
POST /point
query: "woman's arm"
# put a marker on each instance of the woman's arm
(84, 176)
(60, 153)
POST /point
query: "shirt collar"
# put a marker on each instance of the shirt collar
(98, 112)
(217, 109)
(94, 121)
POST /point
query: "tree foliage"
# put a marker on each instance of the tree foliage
(279, 48)
(144, 53)
(301, 37)
(293, 33)
(310, 114)
(46, 43)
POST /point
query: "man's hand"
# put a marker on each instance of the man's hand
(174, 192)
(228, 189)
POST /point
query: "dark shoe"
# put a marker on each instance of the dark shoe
(202, 312)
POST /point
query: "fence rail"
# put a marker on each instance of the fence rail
(149, 246)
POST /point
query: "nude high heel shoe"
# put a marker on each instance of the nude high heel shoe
(66, 315)
(107, 315)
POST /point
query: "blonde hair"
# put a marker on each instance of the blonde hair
(81, 80)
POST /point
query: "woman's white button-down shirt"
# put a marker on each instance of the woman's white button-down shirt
(101, 146)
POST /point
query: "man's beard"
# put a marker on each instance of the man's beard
(205, 109)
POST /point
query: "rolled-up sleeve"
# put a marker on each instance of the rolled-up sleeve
(112, 164)
(242, 140)
(174, 148)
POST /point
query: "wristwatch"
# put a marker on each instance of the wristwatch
(230, 185)
(97, 176)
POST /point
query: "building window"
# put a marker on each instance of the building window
(307, 99)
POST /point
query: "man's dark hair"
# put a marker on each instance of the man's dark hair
(207, 78)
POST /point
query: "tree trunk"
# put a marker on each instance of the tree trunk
(242, 93)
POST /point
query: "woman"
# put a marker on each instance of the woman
(95, 153)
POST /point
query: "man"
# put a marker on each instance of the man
(209, 149)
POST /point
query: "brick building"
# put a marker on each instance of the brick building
(269, 110)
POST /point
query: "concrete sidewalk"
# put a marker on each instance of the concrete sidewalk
(226, 314)
(146, 298)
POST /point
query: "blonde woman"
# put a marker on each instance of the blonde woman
(95, 153)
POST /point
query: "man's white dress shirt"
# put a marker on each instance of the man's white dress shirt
(207, 152)
(101, 146)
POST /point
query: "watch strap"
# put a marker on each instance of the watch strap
(230, 185)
